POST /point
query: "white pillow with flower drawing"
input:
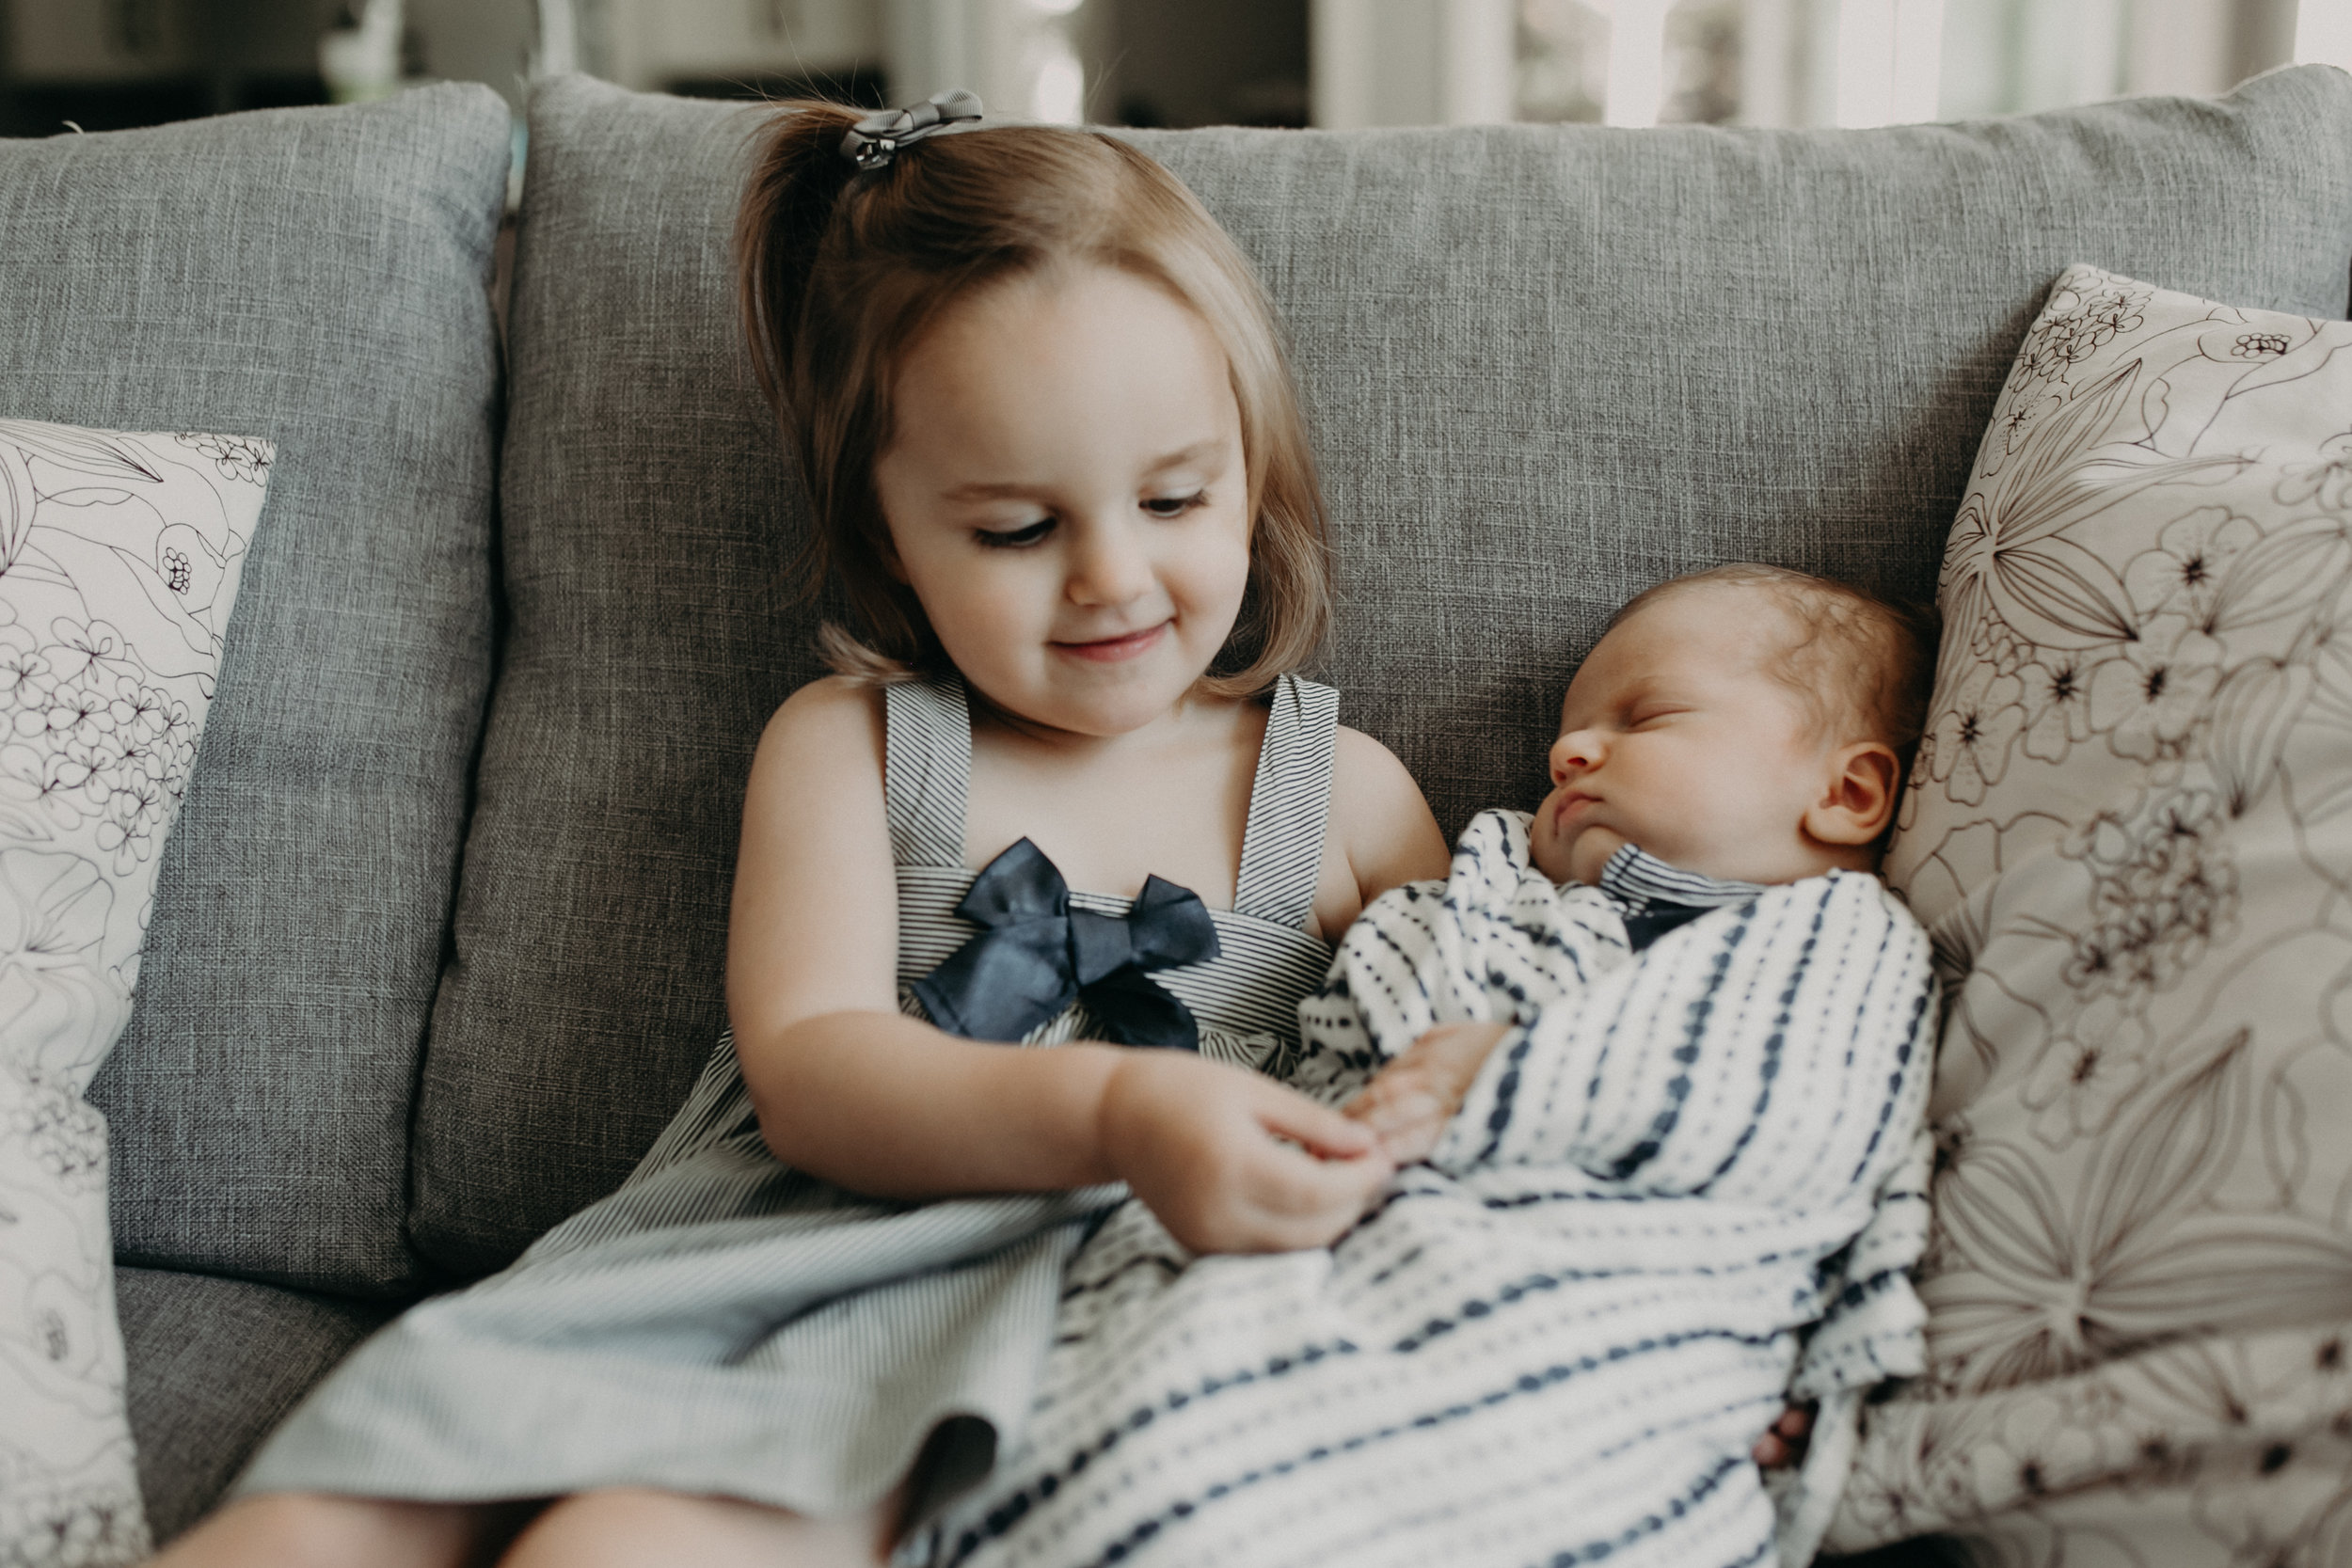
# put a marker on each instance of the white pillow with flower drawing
(119, 556)
(2130, 834)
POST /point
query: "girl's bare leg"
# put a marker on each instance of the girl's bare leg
(644, 1529)
(305, 1530)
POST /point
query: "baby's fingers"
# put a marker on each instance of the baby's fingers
(1323, 1131)
(1406, 1113)
(1784, 1441)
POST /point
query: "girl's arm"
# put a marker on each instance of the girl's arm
(1382, 833)
(850, 1089)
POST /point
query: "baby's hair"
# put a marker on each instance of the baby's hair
(1864, 665)
(841, 272)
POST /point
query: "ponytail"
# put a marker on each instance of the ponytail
(797, 175)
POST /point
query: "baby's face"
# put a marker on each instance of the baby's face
(1677, 735)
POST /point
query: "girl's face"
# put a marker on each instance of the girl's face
(1067, 496)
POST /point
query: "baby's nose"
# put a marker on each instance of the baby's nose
(1575, 751)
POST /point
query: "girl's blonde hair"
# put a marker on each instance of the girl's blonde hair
(841, 272)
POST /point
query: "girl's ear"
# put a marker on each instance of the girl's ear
(1859, 800)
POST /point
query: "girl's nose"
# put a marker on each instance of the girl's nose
(1578, 751)
(1109, 564)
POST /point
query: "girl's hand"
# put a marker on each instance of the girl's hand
(1408, 1101)
(1232, 1161)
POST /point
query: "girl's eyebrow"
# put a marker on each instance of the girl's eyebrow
(989, 491)
(1212, 449)
(1200, 451)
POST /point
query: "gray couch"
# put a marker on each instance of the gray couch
(438, 945)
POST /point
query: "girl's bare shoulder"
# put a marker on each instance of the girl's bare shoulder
(829, 698)
(813, 927)
(833, 725)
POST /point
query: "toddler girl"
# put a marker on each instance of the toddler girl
(1058, 470)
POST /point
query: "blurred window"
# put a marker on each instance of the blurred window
(1877, 62)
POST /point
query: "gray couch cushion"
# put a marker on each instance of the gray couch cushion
(648, 522)
(213, 1366)
(1547, 367)
(316, 277)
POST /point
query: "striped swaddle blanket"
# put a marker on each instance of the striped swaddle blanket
(1684, 1190)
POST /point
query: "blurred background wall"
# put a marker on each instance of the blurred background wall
(103, 64)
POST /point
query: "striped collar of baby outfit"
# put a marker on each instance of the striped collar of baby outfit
(1656, 898)
(1634, 875)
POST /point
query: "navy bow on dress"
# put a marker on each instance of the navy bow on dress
(1036, 954)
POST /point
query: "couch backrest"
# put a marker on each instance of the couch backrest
(1546, 368)
(318, 277)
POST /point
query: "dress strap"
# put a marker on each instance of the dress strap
(1290, 805)
(927, 770)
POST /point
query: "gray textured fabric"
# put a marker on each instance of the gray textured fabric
(315, 278)
(1547, 367)
(215, 1364)
(648, 521)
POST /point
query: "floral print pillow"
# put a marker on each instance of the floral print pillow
(119, 557)
(2130, 833)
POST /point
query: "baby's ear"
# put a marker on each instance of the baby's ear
(1859, 798)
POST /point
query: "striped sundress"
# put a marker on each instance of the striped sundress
(722, 1324)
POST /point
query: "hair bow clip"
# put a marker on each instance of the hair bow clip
(872, 142)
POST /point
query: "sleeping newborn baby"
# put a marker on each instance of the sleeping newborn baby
(1738, 728)
(1652, 1062)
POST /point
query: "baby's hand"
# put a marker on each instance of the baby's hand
(1233, 1162)
(1409, 1102)
(1784, 1441)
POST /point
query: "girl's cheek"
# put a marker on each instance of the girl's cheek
(1233, 553)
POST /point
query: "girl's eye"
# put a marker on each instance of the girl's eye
(1174, 506)
(1013, 538)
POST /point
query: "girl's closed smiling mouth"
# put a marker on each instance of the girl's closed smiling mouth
(1110, 649)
